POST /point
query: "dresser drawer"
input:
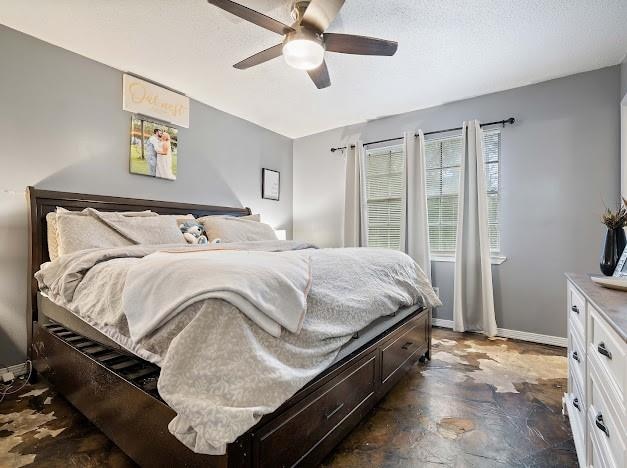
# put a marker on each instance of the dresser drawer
(576, 406)
(610, 352)
(282, 442)
(604, 423)
(576, 309)
(577, 359)
(594, 451)
(399, 351)
(574, 329)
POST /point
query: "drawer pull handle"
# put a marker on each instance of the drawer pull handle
(407, 345)
(576, 404)
(575, 309)
(604, 351)
(576, 356)
(599, 422)
(330, 414)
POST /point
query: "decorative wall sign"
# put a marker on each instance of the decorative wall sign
(154, 149)
(142, 97)
(270, 184)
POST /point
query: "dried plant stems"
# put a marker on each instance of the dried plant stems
(615, 219)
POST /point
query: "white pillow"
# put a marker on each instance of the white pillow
(51, 231)
(234, 229)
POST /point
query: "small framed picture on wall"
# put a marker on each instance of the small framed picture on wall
(270, 184)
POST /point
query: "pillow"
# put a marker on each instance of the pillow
(152, 230)
(53, 243)
(233, 229)
(51, 222)
(76, 233)
(94, 229)
(252, 217)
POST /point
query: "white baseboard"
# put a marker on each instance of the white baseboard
(17, 370)
(515, 334)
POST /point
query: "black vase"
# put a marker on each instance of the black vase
(613, 249)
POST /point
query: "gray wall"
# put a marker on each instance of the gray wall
(623, 78)
(560, 164)
(62, 128)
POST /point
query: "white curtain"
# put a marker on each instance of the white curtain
(473, 305)
(416, 228)
(355, 206)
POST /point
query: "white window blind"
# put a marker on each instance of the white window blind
(384, 193)
(443, 159)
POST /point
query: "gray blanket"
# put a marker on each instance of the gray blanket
(220, 371)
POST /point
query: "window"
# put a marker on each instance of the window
(385, 182)
(384, 194)
(443, 159)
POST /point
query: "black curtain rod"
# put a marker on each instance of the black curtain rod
(510, 121)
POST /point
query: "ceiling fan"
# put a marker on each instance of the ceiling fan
(305, 41)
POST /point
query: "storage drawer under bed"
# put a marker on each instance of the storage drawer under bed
(282, 443)
(400, 350)
(307, 430)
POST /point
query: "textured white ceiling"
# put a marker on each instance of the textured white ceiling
(448, 50)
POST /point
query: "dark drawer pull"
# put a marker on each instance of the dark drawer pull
(576, 356)
(599, 422)
(407, 345)
(330, 414)
(604, 351)
(575, 309)
(576, 404)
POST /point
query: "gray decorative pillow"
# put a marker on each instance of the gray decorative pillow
(92, 229)
(234, 229)
(85, 232)
(152, 230)
(252, 217)
(52, 231)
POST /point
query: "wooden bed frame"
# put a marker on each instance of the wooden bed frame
(118, 393)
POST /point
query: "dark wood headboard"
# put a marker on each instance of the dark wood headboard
(42, 202)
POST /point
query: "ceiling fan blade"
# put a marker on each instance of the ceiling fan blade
(321, 13)
(253, 16)
(320, 76)
(359, 45)
(260, 57)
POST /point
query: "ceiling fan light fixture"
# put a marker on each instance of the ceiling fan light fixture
(303, 53)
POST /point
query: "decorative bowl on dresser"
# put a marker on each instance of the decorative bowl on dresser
(596, 400)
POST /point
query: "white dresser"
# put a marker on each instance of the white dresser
(597, 372)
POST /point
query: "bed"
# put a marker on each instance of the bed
(117, 390)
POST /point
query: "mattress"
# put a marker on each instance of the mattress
(49, 311)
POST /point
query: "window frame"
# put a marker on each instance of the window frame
(441, 256)
(496, 255)
(391, 149)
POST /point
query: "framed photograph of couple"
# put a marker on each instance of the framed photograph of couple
(154, 149)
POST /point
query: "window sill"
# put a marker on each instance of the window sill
(496, 260)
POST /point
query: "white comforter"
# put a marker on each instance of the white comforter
(270, 288)
(221, 371)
